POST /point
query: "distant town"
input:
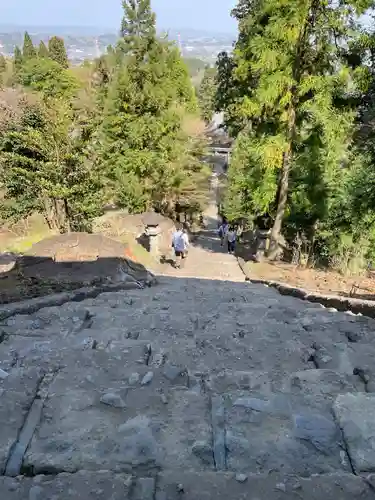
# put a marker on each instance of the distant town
(83, 44)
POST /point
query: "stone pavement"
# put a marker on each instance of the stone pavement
(191, 389)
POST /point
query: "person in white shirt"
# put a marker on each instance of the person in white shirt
(180, 243)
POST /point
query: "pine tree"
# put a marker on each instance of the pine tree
(143, 146)
(42, 50)
(207, 94)
(179, 77)
(57, 51)
(230, 92)
(3, 67)
(3, 64)
(138, 29)
(28, 51)
(17, 59)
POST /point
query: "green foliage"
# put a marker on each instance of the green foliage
(290, 98)
(105, 68)
(230, 92)
(252, 176)
(142, 135)
(114, 129)
(49, 78)
(17, 59)
(43, 51)
(28, 51)
(138, 31)
(43, 167)
(3, 68)
(3, 64)
(195, 66)
(57, 51)
(147, 156)
(207, 94)
(177, 74)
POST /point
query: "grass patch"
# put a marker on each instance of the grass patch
(21, 244)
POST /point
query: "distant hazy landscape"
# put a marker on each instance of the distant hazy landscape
(87, 43)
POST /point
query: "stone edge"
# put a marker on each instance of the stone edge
(356, 306)
(31, 306)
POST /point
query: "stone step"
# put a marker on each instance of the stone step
(174, 485)
(177, 484)
(109, 411)
(219, 379)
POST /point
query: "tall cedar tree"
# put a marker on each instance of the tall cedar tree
(207, 94)
(3, 67)
(57, 51)
(138, 28)
(28, 51)
(17, 59)
(358, 211)
(287, 72)
(3, 64)
(42, 50)
(144, 148)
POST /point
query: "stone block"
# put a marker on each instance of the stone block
(324, 383)
(79, 432)
(174, 485)
(282, 433)
(83, 485)
(355, 414)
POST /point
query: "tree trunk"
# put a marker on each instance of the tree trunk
(62, 216)
(50, 213)
(48, 222)
(283, 187)
(67, 217)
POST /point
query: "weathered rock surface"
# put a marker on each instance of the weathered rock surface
(82, 258)
(8, 261)
(17, 392)
(83, 486)
(177, 484)
(355, 414)
(219, 486)
(189, 389)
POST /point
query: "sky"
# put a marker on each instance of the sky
(208, 15)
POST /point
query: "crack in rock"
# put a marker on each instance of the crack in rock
(32, 419)
(218, 429)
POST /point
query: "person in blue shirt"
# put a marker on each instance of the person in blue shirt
(231, 237)
(223, 230)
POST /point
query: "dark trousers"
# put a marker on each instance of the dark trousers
(180, 257)
(231, 246)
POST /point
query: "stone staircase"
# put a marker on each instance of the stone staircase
(193, 389)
